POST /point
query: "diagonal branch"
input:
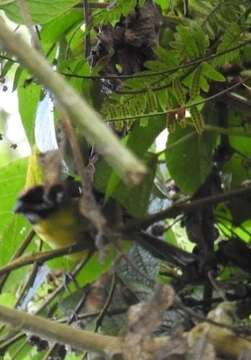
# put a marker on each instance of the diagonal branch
(64, 334)
(41, 257)
(184, 207)
(90, 124)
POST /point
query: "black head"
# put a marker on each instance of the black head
(39, 202)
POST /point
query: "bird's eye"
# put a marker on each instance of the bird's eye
(59, 197)
(55, 194)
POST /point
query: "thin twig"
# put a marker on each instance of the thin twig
(216, 287)
(8, 59)
(84, 316)
(87, 17)
(184, 207)
(237, 329)
(196, 103)
(23, 246)
(30, 281)
(108, 301)
(88, 205)
(51, 353)
(42, 257)
(161, 72)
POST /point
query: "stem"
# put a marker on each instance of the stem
(184, 207)
(90, 124)
(187, 106)
(42, 257)
(64, 334)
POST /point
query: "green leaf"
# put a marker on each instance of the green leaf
(154, 65)
(73, 356)
(19, 71)
(28, 93)
(164, 4)
(5, 2)
(201, 39)
(241, 144)
(244, 231)
(179, 92)
(41, 11)
(230, 37)
(12, 180)
(190, 161)
(22, 350)
(62, 263)
(6, 67)
(224, 217)
(113, 13)
(170, 237)
(135, 199)
(239, 170)
(81, 68)
(7, 299)
(112, 185)
(141, 138)
(197, 119)
(185, 42)
(204, 84)
(13, 228)
(210, 72)
(96, 267)
(58, 27)
(195, 87)
(168, 57)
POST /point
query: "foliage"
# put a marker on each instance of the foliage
(190, 78)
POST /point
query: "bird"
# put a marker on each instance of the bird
(54, 215)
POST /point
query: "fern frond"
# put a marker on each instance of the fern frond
(113, 13)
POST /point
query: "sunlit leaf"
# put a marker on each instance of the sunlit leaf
(31, 91)
(41, 11)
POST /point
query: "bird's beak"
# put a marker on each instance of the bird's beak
(19, 207)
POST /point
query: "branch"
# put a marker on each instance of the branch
(230, 344)
(234, 131)
(78, 339)
(29, 281)
(41, 257)
(203, 101)
(25, 243)
(53, 331)
(184, 207)
(121, 159)
(216, 329)
(161, 72)
(87, 17)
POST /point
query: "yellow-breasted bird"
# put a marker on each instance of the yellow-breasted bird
(54, 214)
